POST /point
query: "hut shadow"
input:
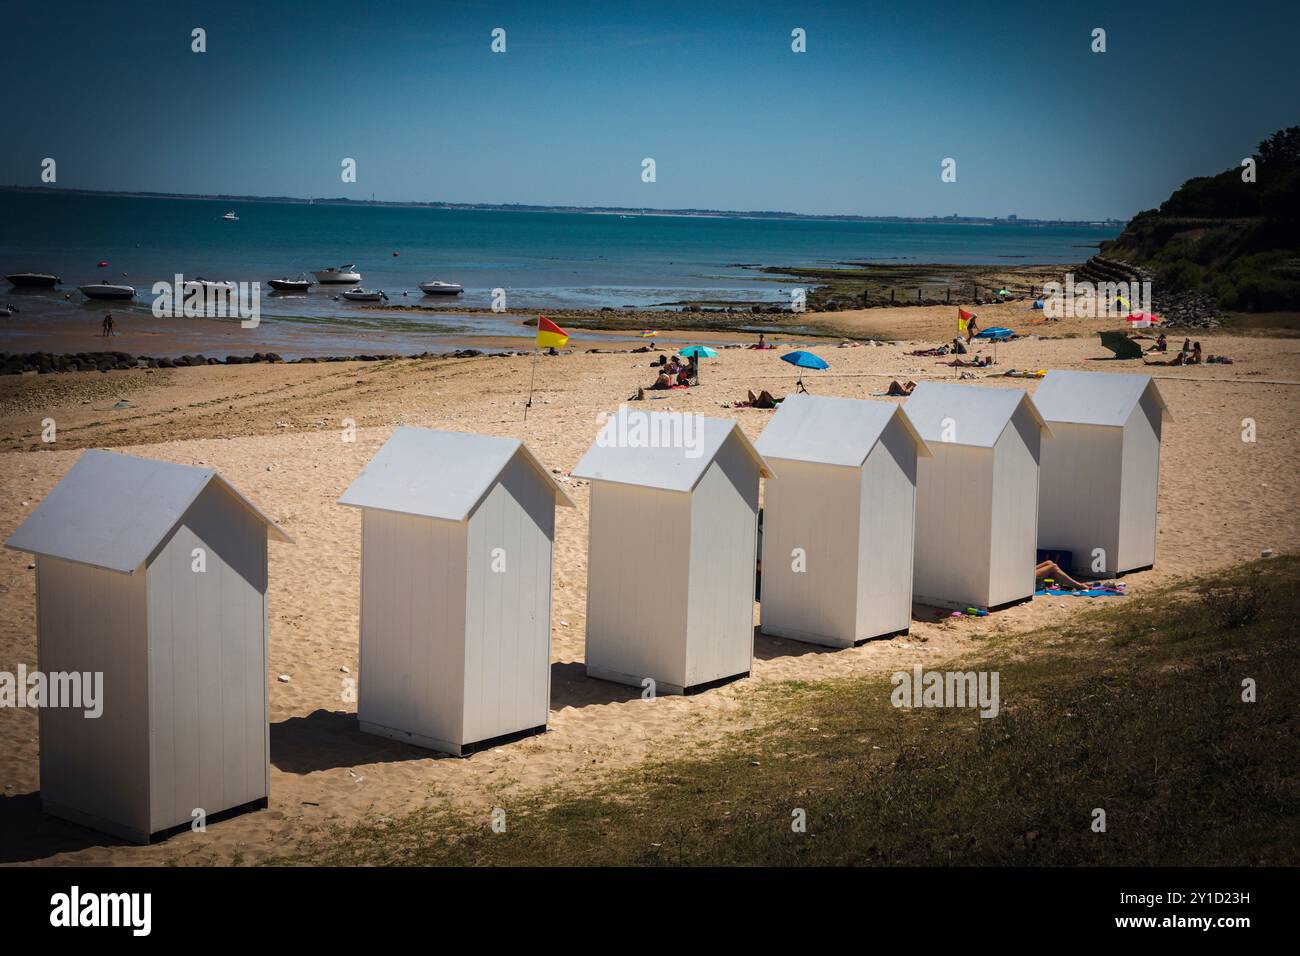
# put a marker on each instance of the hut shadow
(571, 687)
(27, 834)
(331, 739)
(767, 647)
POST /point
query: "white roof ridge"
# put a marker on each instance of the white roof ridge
(979, 414)
(439, 473)
(131, 506)
(1086, 397)
(653, 464)
(831, 430)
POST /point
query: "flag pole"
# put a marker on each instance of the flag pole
(531, 376)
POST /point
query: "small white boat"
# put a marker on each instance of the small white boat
(339, 275)
(284, 284)
(107, 290)
(364, 295)
(198, 282)
(230, 216)
(34, 280)
(440, 288)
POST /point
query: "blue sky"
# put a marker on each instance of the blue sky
(1039, 125)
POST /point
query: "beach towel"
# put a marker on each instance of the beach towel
(1090, 592)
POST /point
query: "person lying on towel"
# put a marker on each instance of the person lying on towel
(764, 399)
(1051, 571)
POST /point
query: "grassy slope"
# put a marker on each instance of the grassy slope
(1135, 709)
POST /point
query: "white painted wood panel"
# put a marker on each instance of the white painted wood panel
(1014, 529)
(1140, 486)
(208, 685)
(638, 563)
(723, 542)
(813, 507)
(1079, 493)
(954, 517)
(886, 534)
(95, 771)
(413, 587)
(508, 618)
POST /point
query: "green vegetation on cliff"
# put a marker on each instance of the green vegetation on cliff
(1234, 239)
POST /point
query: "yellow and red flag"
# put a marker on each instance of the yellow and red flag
(963, 317)
(550, 335)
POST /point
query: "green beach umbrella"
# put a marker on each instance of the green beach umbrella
(698, 352)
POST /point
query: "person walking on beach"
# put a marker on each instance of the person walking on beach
(108, 324)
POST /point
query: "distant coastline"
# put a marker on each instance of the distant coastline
(581, 210)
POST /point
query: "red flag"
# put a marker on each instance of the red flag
(550, 335)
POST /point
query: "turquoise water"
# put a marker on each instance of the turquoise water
(542, 260)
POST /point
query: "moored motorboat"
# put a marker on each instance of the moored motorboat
(364, 295)
(339, 275)
(107, 290)
(33, 280)
(206, 284)
(230, 216)
(440, 288)
(284, 284)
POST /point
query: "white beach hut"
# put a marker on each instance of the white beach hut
(672, 550)
(838, 520)
(977, 497)
(457, 532)
(153, 575)
(1101, 470)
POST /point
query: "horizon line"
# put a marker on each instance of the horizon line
(690, 212)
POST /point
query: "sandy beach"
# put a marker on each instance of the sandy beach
(277, 433)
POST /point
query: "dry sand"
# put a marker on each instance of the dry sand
(275, 432)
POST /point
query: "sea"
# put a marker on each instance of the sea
(542, 260)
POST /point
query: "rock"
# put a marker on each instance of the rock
(1266, 553)
(283, 678)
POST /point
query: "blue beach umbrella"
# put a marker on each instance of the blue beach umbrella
(802, 359)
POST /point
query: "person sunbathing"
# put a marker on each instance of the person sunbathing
(663, 381)
(977, 362)
(1050, 570)
(902, 390)
(927, 353)
(1179, 359)
(764, 399)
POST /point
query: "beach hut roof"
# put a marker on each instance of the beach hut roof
(438, 474)
(111, 511)
(831, 431)
(633, 449)
(1093, 398)
(979, 413)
